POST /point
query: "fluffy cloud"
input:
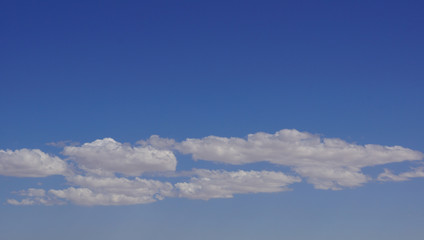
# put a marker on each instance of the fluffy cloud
(328, 163)
(35, 196)
(334, 178)
(106, 172)
(206, 184)
(23, 202)
(387, 175)
(30, 163)
(106, 157)
(113, 191)
(87, 197)
(34, 192)
(89, 191)
(158, 142)
(293, 148)
(222, 184)
(62, 144)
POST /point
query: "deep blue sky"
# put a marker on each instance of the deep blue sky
(84, 70)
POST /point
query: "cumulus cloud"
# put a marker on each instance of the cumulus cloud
(34, 192)
(158, 142)
(113, 190)
(291, 147)
(334, 178)
(107, 156)
(223, 184)
(30, 163)
(388, 175)
(23, 202)
(88, 197)
(328, 163)
(35, 196)
(205, 184)
(62, 144)
(106, 172)
(90, 190)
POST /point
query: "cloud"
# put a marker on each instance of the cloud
(62, 144)
(34, 192)
(334, 178)
(107, 156)
(92, 190)
(293, 148)
(95, 190)
(87, 197)
(35, 196)
(222, 184)
(30, 163)
(328, 163)
(106, 172)
(23, 202)
(158, 142)
(387, 175)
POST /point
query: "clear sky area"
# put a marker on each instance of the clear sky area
(211, 120)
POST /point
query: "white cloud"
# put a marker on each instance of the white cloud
(62, 144)
(106, 157)
(387, 175)
(33, 192)
(113, 191)
(334, 178)
(85, 196)
(222, 184)
(94, 190)
(158, 142)
(35, 196)
(23, 202)
(30, 163)
(328, 163)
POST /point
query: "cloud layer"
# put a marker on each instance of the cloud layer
(106, 172)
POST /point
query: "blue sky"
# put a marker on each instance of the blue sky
(224, 119)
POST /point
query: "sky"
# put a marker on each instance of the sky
(211, 120)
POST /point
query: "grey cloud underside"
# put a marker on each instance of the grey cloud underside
(106, 172)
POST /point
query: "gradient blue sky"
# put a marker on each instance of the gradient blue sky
(86, 70)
